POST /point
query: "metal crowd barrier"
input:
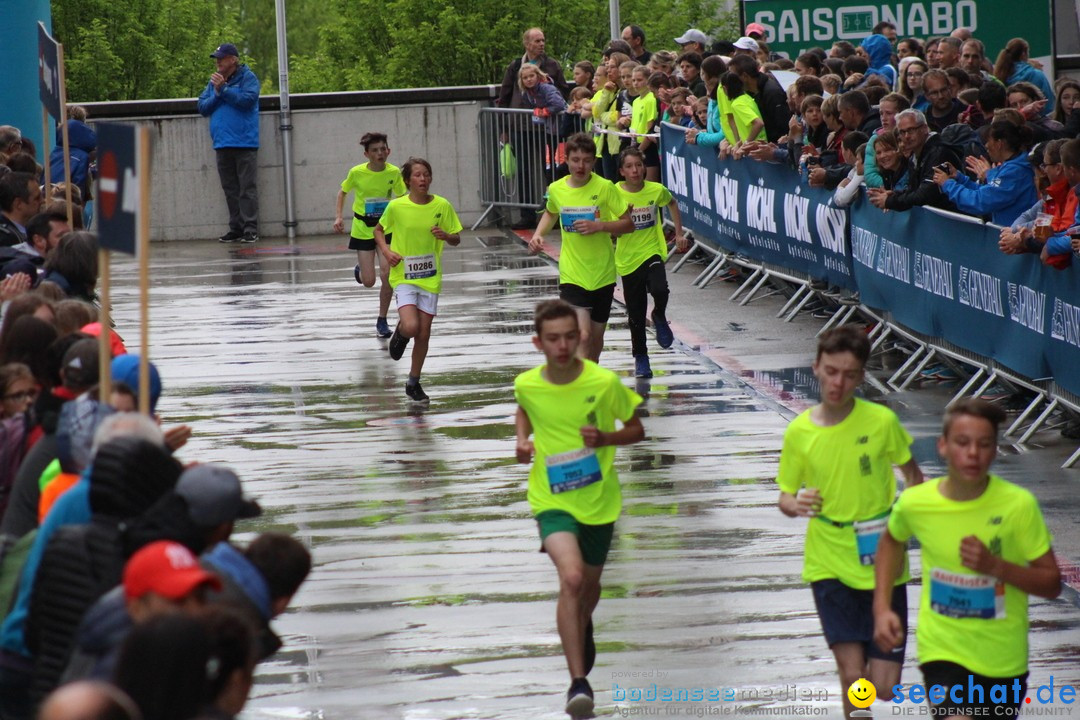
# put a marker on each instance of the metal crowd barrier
(518, 159)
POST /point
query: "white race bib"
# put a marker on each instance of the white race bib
(374, 207)
(418, 267)
(966, 596)
(644, 217)
(867, 534)
(572, 470)
(569, 215)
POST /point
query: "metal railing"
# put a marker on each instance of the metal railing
(518, 158)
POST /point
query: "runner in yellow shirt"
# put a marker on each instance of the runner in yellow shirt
(570, 406)
(640, 256)
(836, 468)
(985, 548)
(422, 224)
(373, 184)
(645, 111)
(590, 211)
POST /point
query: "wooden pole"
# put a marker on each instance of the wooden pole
(142, 248)
(64, 135)
(105, 346)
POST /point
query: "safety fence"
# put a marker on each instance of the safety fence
(933, 278)
(521, 153)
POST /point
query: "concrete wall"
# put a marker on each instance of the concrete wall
(187, 202)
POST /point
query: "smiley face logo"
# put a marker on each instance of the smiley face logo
(862, 693)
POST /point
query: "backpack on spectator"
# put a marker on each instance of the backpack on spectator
(965, 142)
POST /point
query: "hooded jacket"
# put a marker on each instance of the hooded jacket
(234, 112)
(880, 50)
(83, 562)
(81, 142)
(1009, 191)
(1025, 72)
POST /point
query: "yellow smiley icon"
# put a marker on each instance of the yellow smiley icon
(862, 693)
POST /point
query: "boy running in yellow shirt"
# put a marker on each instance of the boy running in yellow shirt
(836, 468)
(985, 548)
(640, 256)
(590, 211)
(570, 406)
(422, 224)
(373, 184)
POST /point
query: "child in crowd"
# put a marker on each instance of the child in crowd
(578, 115)
(660, 85)
(583, 74)
(831, 83)
(848, 189)
(606, 116)
(676, 112)
(748, 123)
(644, 113)
(700, 119)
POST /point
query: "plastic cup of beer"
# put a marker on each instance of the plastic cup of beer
(1043, 231)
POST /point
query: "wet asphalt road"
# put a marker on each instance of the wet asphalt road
(429, 598)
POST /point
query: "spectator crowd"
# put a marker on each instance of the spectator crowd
(943, 122)
(124, 595)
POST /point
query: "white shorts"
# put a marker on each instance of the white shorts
(408, 294)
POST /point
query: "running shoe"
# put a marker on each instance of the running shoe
(824, 313)
(250, 237)
(590, 648)
(995, 393)
(579, 699)
(416, 393)
(230, 237)
(356, 274)
(398, 343)
(664, 336)
(852, 299)
(382, 328)
(641, 366)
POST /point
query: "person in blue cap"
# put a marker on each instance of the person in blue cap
(231, 101)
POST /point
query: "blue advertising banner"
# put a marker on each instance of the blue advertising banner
(760, 210)
(943, 275)
(939, 274)
(118, 187)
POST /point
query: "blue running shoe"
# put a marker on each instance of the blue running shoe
(641, 366)
(664, 336)
(356, 274)
(382, 328)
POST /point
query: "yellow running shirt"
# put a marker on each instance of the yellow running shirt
(587, 261)
(745, 110)
(643, 113)
(371, 193)
(566, 475)
(421, 251)
(966, 618)
(851, 465)
(647, 239)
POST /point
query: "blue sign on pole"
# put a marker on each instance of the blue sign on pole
(49, 72)
(118, 187)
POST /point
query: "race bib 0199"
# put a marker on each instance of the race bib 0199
(569, 215)
(418, 267)
(644, 217)
(572, 470)
(966, 596)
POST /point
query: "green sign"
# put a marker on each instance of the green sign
(792, 26)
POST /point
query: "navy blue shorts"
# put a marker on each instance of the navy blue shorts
(356, 243)
(847, 616)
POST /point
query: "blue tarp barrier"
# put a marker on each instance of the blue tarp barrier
(939, 274)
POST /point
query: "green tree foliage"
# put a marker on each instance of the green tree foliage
(136, 49)
(417, 43)
(145, 49)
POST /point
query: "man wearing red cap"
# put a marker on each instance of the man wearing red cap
(162, 577)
